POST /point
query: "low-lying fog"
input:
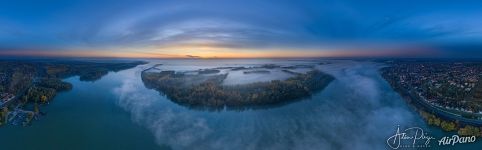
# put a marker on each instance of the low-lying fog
(356, 111)
(241, 73)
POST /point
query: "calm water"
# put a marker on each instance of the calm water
(356, 111)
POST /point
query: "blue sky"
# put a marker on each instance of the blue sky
(211, 28)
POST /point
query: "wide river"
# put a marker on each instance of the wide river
(358, 110)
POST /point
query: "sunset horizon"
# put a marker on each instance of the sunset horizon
(389, 52)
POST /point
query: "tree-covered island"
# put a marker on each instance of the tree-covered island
(208, 91)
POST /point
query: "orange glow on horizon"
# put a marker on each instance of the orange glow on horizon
(204, 55)
(209, 52)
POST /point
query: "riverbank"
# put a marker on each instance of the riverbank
(434, 115)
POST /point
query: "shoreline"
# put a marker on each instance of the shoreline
(433, 115)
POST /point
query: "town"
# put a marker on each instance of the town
(453, 85)
(449, 93)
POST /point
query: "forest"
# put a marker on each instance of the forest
(208, 91)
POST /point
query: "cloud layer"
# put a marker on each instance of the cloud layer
(219, 24)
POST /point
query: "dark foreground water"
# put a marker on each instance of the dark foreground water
(358, 110)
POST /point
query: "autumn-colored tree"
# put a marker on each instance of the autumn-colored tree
(469, 131)
(43, 99)
(448, 126)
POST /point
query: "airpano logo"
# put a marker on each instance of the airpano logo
(455, 139)
(415, 137)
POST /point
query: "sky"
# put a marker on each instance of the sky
(239, 29)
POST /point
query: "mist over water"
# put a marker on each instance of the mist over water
(238, 77)
(356, 111)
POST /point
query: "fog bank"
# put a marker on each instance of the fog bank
(356, 111)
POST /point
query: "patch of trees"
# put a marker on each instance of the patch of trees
(38, 94)
(87, 71)
(55, 83)
(44, 90)
(15, 76)
(450, 125)
(470, 131)
(211, 93)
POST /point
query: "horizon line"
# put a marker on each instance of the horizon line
(213, 58)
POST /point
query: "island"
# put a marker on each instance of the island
(446, 93)
(204, 91)
(28, 84)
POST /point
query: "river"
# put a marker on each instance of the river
(358, 110)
